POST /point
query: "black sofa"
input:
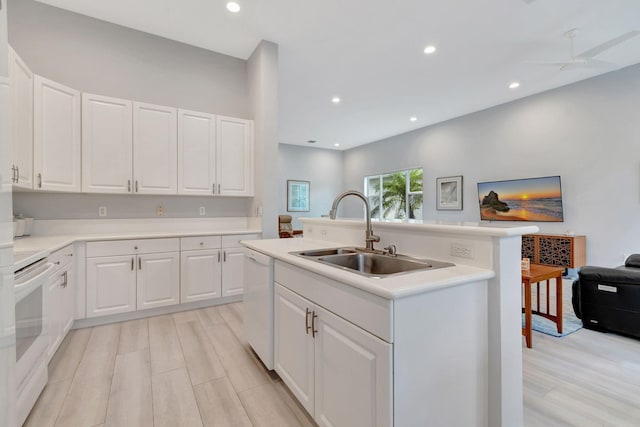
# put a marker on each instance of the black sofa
(608, 299)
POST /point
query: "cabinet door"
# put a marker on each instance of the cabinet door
(56, 136)
(21, 119)
(53, 297)
(111, 285)
(196, 153)
(155, 149)
(158, 280)
(293, 345)
(232, 271)
(352, 375)
(200, 275)
(67, 301)
(234, 156)
(107, 144)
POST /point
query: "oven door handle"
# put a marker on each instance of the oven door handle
(24, 289)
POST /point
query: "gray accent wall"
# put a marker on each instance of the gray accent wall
(322, 168)
(588, 133)
(99, 57)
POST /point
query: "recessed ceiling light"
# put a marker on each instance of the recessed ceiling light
(514, 85)
(335, 100)
(233, 7)
(311, 141)
(429, 49)
(336, 145)
(413, 119)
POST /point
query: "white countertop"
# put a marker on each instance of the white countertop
(29, 249)
(393, 287)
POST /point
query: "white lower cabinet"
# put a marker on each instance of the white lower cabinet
(60, 298)
(232, 271)
(200, 275)
(130, 275)
(158, 280)
(339, 372)
(111, 285)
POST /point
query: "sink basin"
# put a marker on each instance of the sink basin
(369, 263)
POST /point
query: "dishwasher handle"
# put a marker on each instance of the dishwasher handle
(258, 258)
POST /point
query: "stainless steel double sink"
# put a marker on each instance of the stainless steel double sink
(370, 263)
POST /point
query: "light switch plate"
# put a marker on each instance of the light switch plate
(462, 249)
(102, 211)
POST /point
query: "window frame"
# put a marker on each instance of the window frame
(408, 193)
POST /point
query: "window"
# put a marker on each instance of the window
(395, 195)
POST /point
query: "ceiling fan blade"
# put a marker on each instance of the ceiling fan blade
(590, 63)
(608, 45)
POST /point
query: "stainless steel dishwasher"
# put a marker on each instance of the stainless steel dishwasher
(258, 304)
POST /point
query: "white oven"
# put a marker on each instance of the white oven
(31, 334)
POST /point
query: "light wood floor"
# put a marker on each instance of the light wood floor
(195, 368)
(186, 369)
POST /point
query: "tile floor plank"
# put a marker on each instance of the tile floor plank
(266, 408)
(46, 410)
(65, 362)
(219, 404)
(174, 402)
(134, 336)
(201, 359)
(130, 400)
(164, 345)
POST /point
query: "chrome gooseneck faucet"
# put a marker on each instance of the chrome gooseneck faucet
(369, 236)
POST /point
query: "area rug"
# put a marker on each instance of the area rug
(570, 323)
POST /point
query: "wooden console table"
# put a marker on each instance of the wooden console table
(556, 250)
(536, 274)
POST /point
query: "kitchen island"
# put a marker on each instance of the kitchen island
(436, 347)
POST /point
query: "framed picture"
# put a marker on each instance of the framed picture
(297, 196)
(449, 193)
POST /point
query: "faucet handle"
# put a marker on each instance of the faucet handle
(391, 250)
(373, 238)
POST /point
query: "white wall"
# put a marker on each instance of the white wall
(263, 99)
(588, 133)
(322, 168)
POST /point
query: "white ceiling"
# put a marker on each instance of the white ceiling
(369, 52)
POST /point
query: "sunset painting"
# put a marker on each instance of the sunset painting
(533, 199)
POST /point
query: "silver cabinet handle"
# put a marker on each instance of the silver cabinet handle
(17, 174)
(213, 188)
(218, 256)
(129, 186)
(306, 320)
(139, 263)
(13, 173)
(218, 189)
(224, 256)
(136, 185)
(39, 180)
(314, 331)
(131, 263)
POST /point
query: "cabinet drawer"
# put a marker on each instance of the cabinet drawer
(62, 257)
(233, 241)
(126, 247)
(199, 242)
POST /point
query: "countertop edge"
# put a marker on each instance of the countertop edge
(374, 286)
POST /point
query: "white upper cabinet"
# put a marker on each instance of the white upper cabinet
(107, 144)
(234, 156)
(155, 149)
(196, 153)
(21, 120)
(56, 147)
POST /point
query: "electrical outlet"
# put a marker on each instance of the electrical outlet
(462, 250)
(102, 211)
(202, 211)
(323, 232)
(160, 210)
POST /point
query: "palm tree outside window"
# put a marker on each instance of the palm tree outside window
(395, 195)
